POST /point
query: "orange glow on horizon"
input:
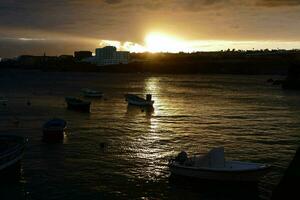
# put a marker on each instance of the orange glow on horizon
(157, 41)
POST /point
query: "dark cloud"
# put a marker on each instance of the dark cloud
(194, 5)
(76, 15)
(275, 3)
(10, 47)
(130, 20)
(112, 1)
(176, 5)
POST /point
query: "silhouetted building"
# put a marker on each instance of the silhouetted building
(80, 55)
(91, 60)
(66, 57)
(110, 56)
(34, 60)
(29, 60)
(122, 56)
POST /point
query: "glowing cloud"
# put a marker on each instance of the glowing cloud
(123, 46)
(31, 39)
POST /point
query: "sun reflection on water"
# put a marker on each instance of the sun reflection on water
(152, 87)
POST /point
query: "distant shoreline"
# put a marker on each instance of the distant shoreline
(242, 68)
(164, 63)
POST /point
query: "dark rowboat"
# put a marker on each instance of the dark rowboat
(92, 93)
(78, 104)
(54, 130)
(138, 101)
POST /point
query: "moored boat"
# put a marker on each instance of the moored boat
(78, 104)
(92, 93)
(138, 101)
(213, 167)
(11, 152)
(54, 130)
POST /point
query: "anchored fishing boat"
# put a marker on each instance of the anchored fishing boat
(92, 93)
(78, 104)
(138, 101)
(11, 152)
(54, 130)
(213, 166)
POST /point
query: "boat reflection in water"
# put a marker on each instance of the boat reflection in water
(136, 110)
(191, 188)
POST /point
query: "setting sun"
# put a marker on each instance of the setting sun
(160, 42)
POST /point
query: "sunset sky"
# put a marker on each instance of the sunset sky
(63, 26)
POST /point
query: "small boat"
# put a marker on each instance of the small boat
(138, 101)
(54, 130)
(213, 167)
(92, 93)
(11, 152)
(78, 104)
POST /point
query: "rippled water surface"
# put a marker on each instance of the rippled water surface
(253, 120)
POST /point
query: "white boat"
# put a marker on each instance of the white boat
(138, 101)
(213, 166)
(11, 152)
(92, 93)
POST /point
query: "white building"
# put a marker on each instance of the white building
(110, 56)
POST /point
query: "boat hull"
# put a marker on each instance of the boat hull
(10, 158)
(140, 103)
(92, 93)
(7, 165)
(11, 173)
(219, 175)
(77, 104)
(54, 130)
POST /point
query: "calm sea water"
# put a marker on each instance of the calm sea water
(253, 120)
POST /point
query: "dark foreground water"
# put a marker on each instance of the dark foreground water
(253, 120)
